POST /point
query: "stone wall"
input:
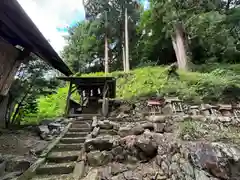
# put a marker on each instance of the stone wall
(149, 147)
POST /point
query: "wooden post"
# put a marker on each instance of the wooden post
(9, 65)
(68, 99)
(3, 110)
(126, 42)
(10, 60)
(105, 103)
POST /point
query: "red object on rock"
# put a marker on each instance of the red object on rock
(155, 102)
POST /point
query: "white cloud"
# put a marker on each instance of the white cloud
(146, 4)
(50, 14)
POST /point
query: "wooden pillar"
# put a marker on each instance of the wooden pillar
(9, 64)
(3, 110)
(67, 109)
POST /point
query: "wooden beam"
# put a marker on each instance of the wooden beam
(9, 66)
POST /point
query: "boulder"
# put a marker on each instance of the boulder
(17, 163)
(128, 142)
(43, 131)
(132, 175)
(137, 130)
(212, 159)
(230, 151)
(147, 146)
(94, 122)
(224, 119)
(157, 118)
(201, 175)
(128, 130)
(167, 109)
(119, 154)
(99, 158)
(11, 175)
(117, 168)
(46, 121)
(159, 127)
(54, 125)
(168, 128)
(93, 174)
(60, 120)
(115, 125)
(149, 126)
(2, 167)
(99, 143)
(122, 115)
(187, 168)
(105, 124)
(126, 108)
(95, 131)
(125, 131)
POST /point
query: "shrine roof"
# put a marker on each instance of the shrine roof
(17, 28)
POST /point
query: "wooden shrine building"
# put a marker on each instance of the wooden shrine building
(18, 30)
(93, 95)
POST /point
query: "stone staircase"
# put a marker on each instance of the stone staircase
(62, 159)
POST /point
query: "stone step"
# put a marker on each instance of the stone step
(109, 132)
(82, 121)
(53, 177)
(64, 156)
(84, 116)
(78, 129)
(67, 147)
(76, 134)
(56, 168)
(85, 125)
(72, 140)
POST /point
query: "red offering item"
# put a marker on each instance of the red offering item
(155, 102)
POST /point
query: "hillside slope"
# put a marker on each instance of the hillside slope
(219, 85)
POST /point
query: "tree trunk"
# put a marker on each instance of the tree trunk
(179, 48)
(106, 55)
(106, 47)
(22, 100)
(126, 42)
(19, 105)
(123, 58)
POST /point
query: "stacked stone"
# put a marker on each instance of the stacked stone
(148, 150)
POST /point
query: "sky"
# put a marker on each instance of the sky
(52, 17)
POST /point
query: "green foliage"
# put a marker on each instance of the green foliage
(190, 128)
(149, 81)
(52, 105)
(30, 83)
(212, 31)
(86, 39)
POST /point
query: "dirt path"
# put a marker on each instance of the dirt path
(20, 142)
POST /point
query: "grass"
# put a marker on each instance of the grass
(199, 130)
(194, 87)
